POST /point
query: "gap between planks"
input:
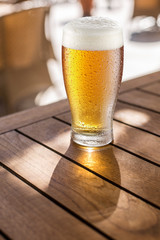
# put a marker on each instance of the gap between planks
(4, 236)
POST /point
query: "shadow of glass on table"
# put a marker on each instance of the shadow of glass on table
(84, 191)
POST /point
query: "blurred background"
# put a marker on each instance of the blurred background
(30, 45)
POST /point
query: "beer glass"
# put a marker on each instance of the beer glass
(92, 62)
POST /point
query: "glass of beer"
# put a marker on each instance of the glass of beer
(92, 61)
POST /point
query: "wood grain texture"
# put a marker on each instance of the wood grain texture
(139, 142)
(26, 214)
(141, 99)
(140, 81)
(23, 118)
(57, 136)
(153, 88)
(108, 208)
(138, 117)
(142, 143)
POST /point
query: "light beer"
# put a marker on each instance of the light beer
(92, 60)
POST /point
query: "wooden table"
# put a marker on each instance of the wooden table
(53, 189)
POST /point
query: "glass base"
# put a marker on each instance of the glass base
(93, 140)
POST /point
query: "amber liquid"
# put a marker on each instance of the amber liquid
(92, 79)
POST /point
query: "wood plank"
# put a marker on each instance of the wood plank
(141, 99)
(153, 88)
(139, 81)
(57, 136)
(108, 208)
(139, 142)
(142, 143)
(29, 116)
(138, 117)
(26, 214)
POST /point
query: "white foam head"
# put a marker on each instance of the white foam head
(92, 33)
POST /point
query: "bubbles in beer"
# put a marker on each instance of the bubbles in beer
(91, 79)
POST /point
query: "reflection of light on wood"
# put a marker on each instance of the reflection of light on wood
(90, 160)
(88, 157)
(133, 116)
(101, 160)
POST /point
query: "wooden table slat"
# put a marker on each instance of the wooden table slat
(138, 142)
(137, 117)
(153, 88)
(140, 81)
(38, 217)
(141, 99)
(108, 208)
(13, 121)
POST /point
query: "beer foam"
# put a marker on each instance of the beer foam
(92, 33)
